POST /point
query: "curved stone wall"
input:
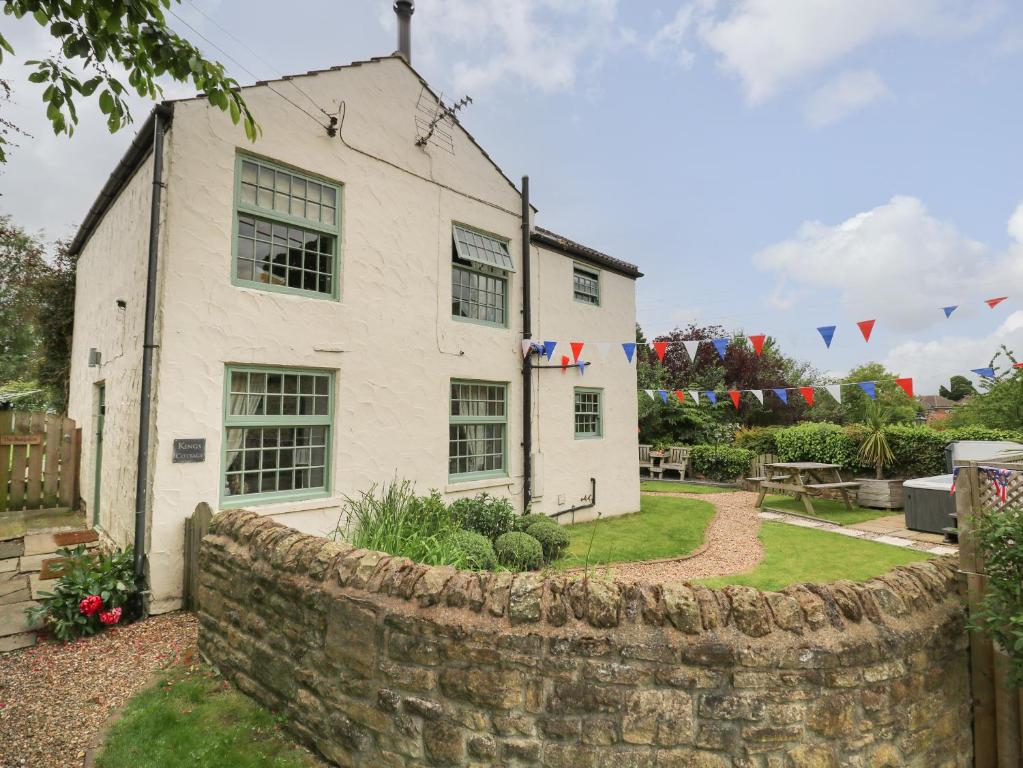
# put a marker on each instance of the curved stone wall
(378, 661)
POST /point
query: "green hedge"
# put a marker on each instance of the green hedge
(919, 450)
(718, 462)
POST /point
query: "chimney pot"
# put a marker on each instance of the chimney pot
(404, 10)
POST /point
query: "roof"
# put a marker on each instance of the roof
(933, 402)
(578, 250)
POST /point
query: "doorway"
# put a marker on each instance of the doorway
(101, 412)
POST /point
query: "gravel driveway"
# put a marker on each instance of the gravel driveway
(54, 699)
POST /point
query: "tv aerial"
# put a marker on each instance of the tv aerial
(434, 120)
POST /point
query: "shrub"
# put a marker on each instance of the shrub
(476, 549)
(484, 514)
(827, 443)
(95, 591)
(721, 463)
(398, 522)
(758, 439)
(519, 551)
(523, 522)
(552, 537)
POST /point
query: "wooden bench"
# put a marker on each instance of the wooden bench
(826, 486)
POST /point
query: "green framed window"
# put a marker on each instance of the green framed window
(480, 264)
(586, 285)
(277, 433)
(286, 231)
(478, 430)
(589, 413)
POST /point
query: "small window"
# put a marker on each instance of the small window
(586, 285)
(286, 230)
(277, 426)
(588, 413)
(477, 430)
(479, 277)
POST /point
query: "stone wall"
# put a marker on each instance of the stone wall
(377, 661)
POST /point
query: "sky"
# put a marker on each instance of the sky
(771, 165)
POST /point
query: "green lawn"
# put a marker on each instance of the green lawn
(825, 509)
(793, 555)
(191, 718)
(666, 486)
(665, 526)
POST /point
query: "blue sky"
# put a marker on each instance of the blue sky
(771, 165)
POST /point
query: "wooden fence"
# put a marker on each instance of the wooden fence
(196, 527)
(39, 457)
(997, 709)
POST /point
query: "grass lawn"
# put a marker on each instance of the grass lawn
(192, 718)
(794, 555)
(826, 509)
(664, 527)
(666, 486)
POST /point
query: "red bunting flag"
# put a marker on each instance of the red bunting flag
(577, 347)
(995, 302)
(866, 326)
(1017, 365)
(660, 347)
(758, 343)
(734, 394)
(907, 385)
(680, 395)
(807, 393)
(564, 363)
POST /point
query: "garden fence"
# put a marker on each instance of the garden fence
(39, 457)
(196, 527)
(997, 708)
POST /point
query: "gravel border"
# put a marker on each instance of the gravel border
(55, 699)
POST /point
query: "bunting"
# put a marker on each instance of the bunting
(577, 348)
(827, 333)
(711, 396)
(868, 387)
(548, 349)
(734, 394)
(995, 302)
(630, 349)
(835, 390)
(758, 343)
(664, 395)
(758, 394)
(660, 347)
(650, 393)
(907, 385)
(680, 395)
(527, 347)
(695, 395)
(721, 345)
(949, 310)
(692, 347)
(866, 327)
(987, 373)
(782, 395)
(807, 393)
(582, 366)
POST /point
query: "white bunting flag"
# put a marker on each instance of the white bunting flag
(692, 347)
(527, 344)
(695, 394)
(603, 347)
(835, 390)
(758, 394)
(650, 394)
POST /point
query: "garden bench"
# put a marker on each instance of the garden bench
(677, 460)
(645, 461)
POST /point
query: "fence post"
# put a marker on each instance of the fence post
(196, 527)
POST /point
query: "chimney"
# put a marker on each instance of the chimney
(404, 9)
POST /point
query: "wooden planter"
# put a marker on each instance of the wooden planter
(880, 494)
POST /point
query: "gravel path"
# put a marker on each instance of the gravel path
(730, 543)
(54, 699)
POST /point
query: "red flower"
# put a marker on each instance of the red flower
(110, 617)
(90, 605)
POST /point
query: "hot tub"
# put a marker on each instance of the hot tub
(930, 503)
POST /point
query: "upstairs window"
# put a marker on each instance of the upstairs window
(586, 285)
(480, 265)
(286, 230)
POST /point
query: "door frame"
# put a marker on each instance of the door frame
(97, 447)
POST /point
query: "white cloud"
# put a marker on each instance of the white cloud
(933, 363)
(772, 44)
(850, 92)
(1016, 224)
(540, 43)
(672, 40)
(895, 261)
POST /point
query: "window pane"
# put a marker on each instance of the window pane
(476, 296)
(282, 191)
(301, 258)
(477, 446)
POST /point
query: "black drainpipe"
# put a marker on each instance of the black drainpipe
(572, 510)
(145, 409)
(527, 360)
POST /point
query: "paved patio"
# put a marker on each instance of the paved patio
(890, 530)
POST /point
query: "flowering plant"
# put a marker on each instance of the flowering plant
(95, 591)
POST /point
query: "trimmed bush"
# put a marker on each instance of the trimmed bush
(476, 549)
(484, 514)
(523, 522)
(519, 551)
(758, 439)
(552, 537)
(720, 462)
(826, 443)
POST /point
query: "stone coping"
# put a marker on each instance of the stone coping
(557, 600)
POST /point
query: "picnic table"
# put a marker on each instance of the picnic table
(804, 479)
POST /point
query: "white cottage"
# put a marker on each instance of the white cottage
(333, 311)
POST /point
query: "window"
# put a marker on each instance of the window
(480, 265)
(589, 417)
(276, 433)
(586, 285)
(286, 230)
(477, 430)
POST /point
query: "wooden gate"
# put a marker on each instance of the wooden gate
(997, 708)
(39, 456)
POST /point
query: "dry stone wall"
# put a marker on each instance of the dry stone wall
(378, 661)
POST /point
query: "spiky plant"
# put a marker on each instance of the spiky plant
(875, 450)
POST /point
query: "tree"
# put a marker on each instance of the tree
(98, 37)
(55, 324)
(1000, 405)
(959, 387)
(22, 263)
(856, 404)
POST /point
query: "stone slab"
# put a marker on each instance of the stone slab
(40, 544)
(16, 642)
(13, 620)
(848, 532)
(944, 550)
(14, 548)
(20, 596)
(32, 563)
(38, 585)
(7, 586)
(73, 538)
(895, 541)
(9, 565)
